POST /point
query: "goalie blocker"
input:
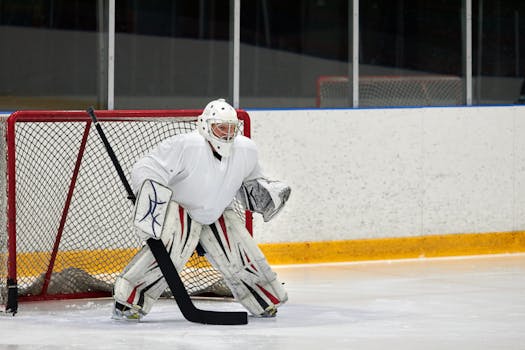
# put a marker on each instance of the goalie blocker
(229, 248)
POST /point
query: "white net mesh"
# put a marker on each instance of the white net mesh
(334, 91)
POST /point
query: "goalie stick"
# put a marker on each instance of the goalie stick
(186, 306)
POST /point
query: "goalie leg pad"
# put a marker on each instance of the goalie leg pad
(232, 250)
(141, 283)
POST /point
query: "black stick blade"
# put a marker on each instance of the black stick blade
(186, 306)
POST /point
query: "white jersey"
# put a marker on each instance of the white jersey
(201, 183)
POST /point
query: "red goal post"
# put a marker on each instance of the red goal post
(65, 223)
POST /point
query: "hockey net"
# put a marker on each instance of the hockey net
(66, 227)
(386, 91)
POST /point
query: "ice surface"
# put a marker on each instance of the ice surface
(458, 303)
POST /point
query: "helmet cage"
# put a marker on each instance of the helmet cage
(223, 130)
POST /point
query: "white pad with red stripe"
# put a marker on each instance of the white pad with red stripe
(232, 250)
(141, 283)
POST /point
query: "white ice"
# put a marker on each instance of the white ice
(448, 303)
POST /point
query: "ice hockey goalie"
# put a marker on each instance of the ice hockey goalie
(185, 187)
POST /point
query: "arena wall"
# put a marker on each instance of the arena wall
(390, 183)
(397, 182)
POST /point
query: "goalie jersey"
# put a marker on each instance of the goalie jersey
(201, 183)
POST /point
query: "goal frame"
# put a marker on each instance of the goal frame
(10, 125)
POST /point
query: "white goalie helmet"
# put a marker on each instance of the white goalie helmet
(219, 125)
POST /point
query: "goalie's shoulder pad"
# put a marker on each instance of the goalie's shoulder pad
(264, 196)
(151, 207)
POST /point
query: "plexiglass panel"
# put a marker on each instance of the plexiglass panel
(498, 51)
(172, 54)
(411, 53)
(53, 54)
(287, 46)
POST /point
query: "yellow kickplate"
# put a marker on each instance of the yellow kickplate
(394, 248)
(111, 261)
